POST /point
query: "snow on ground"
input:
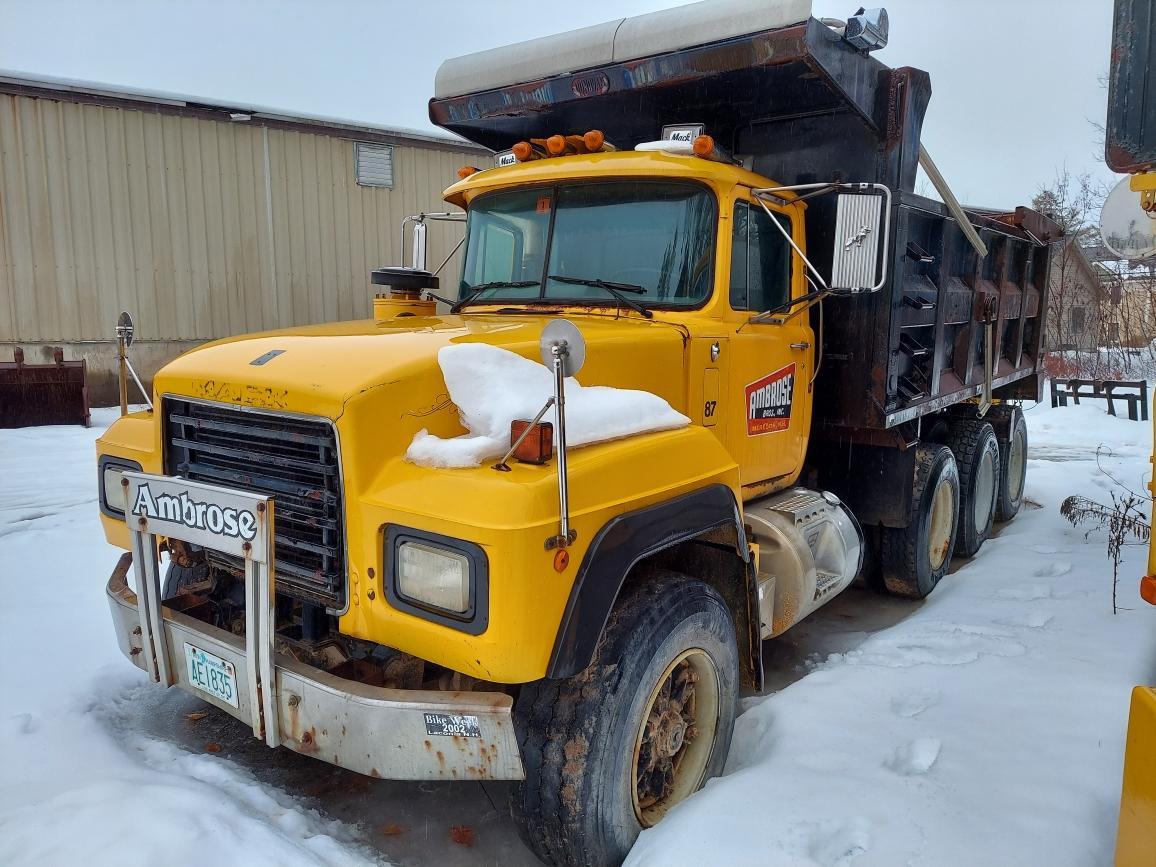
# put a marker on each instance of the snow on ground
(78, 783)
(985, 728)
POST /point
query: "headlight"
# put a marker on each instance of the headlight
(114, 495)
(112, 492)
(437, 578)
(434, 576)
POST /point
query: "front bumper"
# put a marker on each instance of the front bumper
(374, 731)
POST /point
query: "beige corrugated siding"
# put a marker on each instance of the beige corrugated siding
(199, 228)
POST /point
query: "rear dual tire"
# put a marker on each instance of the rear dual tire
(1013, 461)
(976, 451)
(914, 558)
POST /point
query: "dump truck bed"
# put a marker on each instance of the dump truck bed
(799, 104)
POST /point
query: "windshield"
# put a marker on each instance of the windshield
(656, 238)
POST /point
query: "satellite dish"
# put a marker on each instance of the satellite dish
(125, 328)
(1127, 229)
(563, 332)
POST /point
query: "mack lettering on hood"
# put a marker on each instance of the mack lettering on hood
(183, 509)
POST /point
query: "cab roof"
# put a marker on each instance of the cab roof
(613, 164)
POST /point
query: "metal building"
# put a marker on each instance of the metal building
(201, 220)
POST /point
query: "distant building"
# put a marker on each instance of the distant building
(1130, 315)
(1074, 299)
(200, 220)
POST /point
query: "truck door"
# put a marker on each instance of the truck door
(771, 361)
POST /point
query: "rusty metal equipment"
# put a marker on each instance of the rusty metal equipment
(39, 394)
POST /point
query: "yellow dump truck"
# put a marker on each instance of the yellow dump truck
(712, 206)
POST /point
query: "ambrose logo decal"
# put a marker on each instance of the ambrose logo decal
(769, 401)
(183, 509)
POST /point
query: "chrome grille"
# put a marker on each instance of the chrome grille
(294, 460)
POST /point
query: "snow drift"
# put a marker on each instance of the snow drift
(493, 386)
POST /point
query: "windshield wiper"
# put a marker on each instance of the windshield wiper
(614, 289)
(475, 291)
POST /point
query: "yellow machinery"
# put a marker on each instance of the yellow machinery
(1136, 837)
(1128, 227)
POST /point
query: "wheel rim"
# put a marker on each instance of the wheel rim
(984, 490)
(1015, 466)
(676, 736)
(941, 524)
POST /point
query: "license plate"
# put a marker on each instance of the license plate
(211, 674)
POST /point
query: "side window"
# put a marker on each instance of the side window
(760, 260)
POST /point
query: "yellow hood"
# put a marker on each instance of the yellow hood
(317, 370)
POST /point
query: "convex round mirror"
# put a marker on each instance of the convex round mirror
(125, 328)
(1128, 230)
(563, 332)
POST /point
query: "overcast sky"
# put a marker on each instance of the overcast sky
(1017, 83)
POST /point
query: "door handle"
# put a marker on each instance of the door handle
(803, 345)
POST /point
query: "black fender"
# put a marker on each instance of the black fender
(622, 543)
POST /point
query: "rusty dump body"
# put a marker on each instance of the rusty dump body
(36, 394)
(801, 105)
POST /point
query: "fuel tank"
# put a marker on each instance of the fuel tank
(810, 549)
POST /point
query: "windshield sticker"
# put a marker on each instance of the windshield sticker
(769, 402)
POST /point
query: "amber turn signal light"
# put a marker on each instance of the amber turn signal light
(703, 146)
(465, 171)
(538, 446)
(1148, 589)
(523, 151)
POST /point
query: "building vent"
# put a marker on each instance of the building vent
(374, 164)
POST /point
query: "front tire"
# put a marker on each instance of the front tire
(609, 751)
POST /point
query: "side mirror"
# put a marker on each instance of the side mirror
(859, 223)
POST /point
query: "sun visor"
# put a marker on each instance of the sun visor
(615, 41)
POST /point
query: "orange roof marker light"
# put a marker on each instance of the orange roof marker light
(595, 141)
(703, 146)
(524, 151)
(465, 171)
(556, 145)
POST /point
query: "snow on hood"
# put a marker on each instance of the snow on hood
(491, 387)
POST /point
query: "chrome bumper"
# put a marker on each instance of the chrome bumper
(374, 731)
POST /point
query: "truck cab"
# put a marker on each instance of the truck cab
(695, 249)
